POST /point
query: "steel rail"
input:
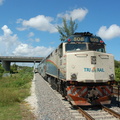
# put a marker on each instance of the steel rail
(115, 114)
(85, 114)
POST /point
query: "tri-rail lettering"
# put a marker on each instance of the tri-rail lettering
(94, 69)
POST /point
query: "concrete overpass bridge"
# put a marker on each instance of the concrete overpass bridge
(6, 60)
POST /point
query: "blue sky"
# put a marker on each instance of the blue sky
(28, 27)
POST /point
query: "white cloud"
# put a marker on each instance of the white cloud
(109, 33)
(27, 50)
(8, 40)
(37, 40)
(6, 30)
(1, 2)
(45, 23)
(76, 14)
(10, 45)
(21, 28)
(39, 22)
(31, 34)
(34, 40)
(19, 20)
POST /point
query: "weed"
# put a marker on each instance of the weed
(13, 90)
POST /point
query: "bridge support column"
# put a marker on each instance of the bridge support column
(6, 65)
(34, 64)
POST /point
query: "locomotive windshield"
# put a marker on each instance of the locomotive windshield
(75, 47)
(97, 47)
(82, 47)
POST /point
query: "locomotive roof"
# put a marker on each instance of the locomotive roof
(84, 37)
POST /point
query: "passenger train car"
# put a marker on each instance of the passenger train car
(81, 70)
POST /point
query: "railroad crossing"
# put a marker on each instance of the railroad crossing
(6, 60)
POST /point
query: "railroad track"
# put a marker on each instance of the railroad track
(86, 113)
(117, 115)
(81, 113)
(115, 91)
(105, 113)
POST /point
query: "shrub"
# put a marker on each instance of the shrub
(1, 70)
(16, 87)
(117, 73)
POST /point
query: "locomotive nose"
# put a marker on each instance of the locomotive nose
(92, 94)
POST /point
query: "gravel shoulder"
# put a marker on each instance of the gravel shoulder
(32, 100)
(45, 104)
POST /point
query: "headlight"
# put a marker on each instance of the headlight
(111, 76)
(73, 76)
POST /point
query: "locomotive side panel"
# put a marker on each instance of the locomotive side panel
(42, 68)
(52, 64)
(56, 63)
(63, 70)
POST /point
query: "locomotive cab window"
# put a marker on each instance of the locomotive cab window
(60, 50)
(75, 47)
(97, 47)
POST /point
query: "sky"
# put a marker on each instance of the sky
(28, 27)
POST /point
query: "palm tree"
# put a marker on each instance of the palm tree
(67, 29)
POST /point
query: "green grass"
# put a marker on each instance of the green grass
(10, 112)
(13, 90)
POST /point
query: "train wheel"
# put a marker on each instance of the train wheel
(49, 80)
(54, 83)
(63, 89)
(64, 92)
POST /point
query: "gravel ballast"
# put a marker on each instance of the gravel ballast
(45, 103)
(49, 105)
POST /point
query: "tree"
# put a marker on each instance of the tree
(67, 29)
(117, 64)
(14, 68)
(1, 70)
(117, 70)
(117, 74)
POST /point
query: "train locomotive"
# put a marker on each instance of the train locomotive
(81, 70)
